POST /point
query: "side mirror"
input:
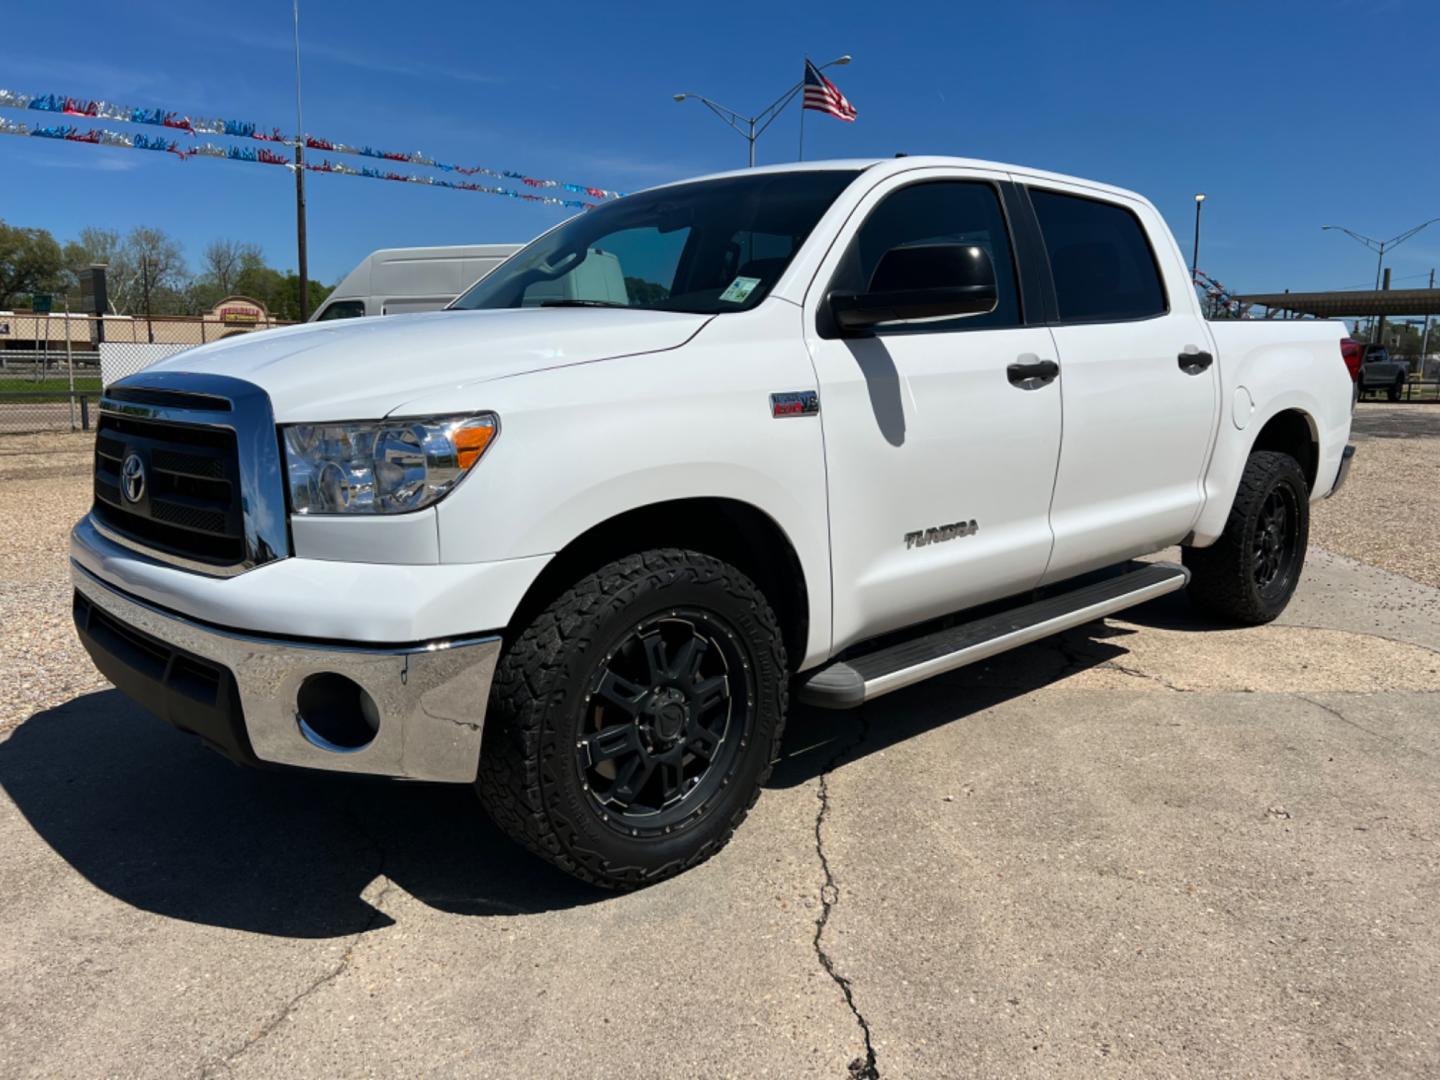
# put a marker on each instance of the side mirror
(920, 281)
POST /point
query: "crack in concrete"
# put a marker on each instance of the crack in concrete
(1078, 659)
(860, 1068)
(1136, 673)
(377, 912)
(1338, 715)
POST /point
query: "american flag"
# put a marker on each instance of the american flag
(823, 96)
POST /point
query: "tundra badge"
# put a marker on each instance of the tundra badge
(941, 532)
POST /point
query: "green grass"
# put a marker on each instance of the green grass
(55, 387)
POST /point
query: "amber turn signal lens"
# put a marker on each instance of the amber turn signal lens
(472, 439)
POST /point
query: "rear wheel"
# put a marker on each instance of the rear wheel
(632, 723)
(1396, 388)
(1250, 573)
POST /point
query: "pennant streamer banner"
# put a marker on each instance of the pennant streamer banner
(264, 156)
(244, 129)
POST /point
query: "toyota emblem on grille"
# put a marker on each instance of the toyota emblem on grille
(132, 478)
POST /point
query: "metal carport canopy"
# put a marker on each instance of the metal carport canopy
(1330, 305)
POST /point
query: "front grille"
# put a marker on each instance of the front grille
(189, 504)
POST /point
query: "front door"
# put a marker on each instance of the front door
(1138, 380)
(940, 468)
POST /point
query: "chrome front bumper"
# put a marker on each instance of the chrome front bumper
(430, 696)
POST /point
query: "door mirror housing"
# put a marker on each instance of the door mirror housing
(916, 282)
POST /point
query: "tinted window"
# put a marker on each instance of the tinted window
(940, 212)
(708, 247)
(1101, 261)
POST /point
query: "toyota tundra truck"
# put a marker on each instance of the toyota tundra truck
(840, 427)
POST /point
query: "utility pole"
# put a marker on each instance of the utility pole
(1425, 337)
(1379, 337)
(145, 289)
(301, 258)
(300, 230)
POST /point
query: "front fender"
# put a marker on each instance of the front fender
(582, 445)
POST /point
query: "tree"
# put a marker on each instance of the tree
(30, 262)
(155, 276)
(280, 293)
(223, 262)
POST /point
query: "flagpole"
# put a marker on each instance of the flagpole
(801, 156)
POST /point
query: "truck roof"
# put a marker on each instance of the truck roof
(891, 165)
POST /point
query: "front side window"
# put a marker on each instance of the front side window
(937, 212)
(1100, 259)
(708, 247)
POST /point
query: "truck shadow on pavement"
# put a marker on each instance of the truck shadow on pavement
(151, 817)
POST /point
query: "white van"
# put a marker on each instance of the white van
(396, 281)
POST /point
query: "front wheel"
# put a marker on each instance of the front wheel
(633, 721)
(1249, 574)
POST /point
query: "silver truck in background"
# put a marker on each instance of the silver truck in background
(401, 281)
(1379, 373)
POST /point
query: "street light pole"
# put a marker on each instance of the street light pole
(1195, 254)
(1380, 247)
(746, 125)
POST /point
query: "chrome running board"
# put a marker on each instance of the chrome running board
(846, 684)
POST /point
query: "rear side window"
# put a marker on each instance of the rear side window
(1100, 259)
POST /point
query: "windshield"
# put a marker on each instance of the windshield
(707, 247)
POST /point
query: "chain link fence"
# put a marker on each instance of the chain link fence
(52, 369)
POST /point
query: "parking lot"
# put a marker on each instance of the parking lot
(1148, 847)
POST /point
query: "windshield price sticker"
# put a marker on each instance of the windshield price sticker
(740, 290)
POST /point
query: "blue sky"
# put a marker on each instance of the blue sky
(1288, 116)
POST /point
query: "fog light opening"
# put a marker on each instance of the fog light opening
(335, 713)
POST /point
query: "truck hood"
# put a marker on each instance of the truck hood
(361, 368)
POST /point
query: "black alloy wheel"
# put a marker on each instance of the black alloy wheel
(1276, 536)
(664, 719)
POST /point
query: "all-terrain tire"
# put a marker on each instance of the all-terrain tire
(1231, 579)
(532, 777)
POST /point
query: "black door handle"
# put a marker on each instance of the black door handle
(1193, 363)
(1034, 375)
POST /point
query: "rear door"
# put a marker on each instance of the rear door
(940, 467)
(1138, 381)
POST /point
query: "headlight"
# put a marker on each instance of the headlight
(382, 466)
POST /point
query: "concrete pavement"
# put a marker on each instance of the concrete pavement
(1151, 847)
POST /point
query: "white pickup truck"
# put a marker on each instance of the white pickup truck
(848, 425)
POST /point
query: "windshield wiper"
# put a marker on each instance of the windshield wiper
(581, 303)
